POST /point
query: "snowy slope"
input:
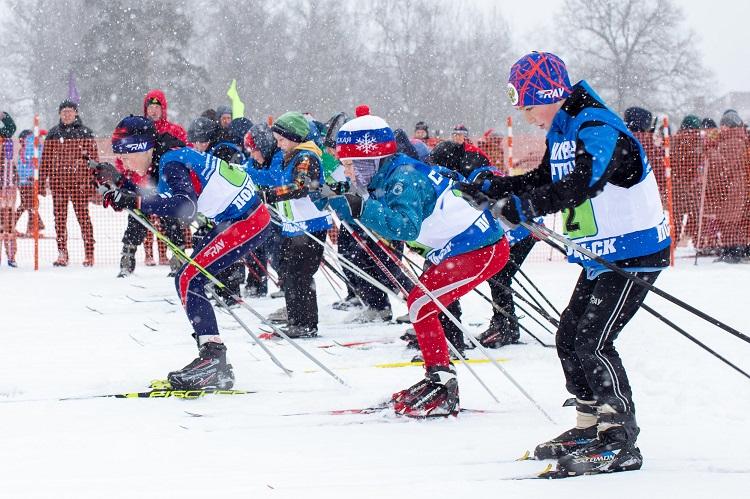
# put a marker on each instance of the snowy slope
(73, 331)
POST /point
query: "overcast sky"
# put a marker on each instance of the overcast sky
(722, 26)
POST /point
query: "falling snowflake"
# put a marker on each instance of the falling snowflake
(366, 144)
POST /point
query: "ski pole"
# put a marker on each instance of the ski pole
(672, 325)
(393, 279)
(323, 269)
(495, 306)
(179, 251)
(244, 326)
(345, 262)
(383, 268)
(520, 271)
(450, 316)
(692, 338)
(544, 232)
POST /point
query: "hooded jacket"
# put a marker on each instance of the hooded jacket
(163, 125)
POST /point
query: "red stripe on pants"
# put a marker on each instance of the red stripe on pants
(233, 236)
(448, 281)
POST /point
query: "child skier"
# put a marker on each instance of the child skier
(410, 201)
(226, 195)
(597, 173)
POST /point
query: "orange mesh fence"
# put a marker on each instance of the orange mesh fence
(719, 199)
(710, 172)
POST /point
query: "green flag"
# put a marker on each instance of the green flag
(238, 107)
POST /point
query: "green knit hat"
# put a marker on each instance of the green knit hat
(293, 126)
(690, 122)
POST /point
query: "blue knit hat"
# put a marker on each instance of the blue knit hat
(538, 78)
(133, 134)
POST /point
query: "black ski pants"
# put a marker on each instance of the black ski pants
(597, 312)
(299, 259)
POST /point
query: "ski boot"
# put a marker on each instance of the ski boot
(434, 396)
(209, 371)
(351, 301)
(574, 439)
(279, 317)
(295, 331)
(127, 260)
(410, 337)
(499, 334)
(613, 450)
(373, 315)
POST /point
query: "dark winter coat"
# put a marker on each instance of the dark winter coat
(462, 158)
(65, 154)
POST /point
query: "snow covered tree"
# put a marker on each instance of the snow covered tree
(634, 52)
(130, 49)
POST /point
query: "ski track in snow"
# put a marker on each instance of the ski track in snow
(74, 331)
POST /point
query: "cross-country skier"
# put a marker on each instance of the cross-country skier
(597, 173)
(191, 182)
(411, 201)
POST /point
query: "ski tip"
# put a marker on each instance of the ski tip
(525, 457)
(547, 469)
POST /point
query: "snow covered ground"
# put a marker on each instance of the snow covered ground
(71, 332)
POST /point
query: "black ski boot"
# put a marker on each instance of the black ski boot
(434, 396)
(209, 371)
(500, 333)
(613, 450)
(575, 438)
(295, 331)
(127, 260)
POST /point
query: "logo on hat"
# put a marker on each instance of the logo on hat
(512, 94)
(138, 146)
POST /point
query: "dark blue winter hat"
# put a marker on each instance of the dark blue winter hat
(538, 78)
(133, 134)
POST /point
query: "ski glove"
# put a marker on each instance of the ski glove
(121, 199)
(474, 195)
(513, 210)
(348, 207)
(334, 189)
(105, 173)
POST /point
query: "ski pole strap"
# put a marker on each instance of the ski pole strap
(544, 233)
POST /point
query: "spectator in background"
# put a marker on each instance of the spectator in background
(25, 169)
(687, 164)
(726, 197)
(64, 165)
(421, 131)
(419, 141)
(8, 185)
(638, 119)
(731, 119)
(460, 134)
(155, 108)
(641, 122)
(224, 116)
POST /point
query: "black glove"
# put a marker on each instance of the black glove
(335, 189)
(121, 199)
(513, 210)
(105, 174)
(474, 195)
(494, 186)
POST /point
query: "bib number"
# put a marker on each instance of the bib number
(235, 176)
(580, 221)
